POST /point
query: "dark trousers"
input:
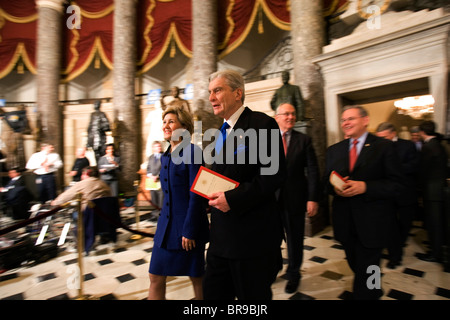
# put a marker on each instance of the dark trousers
(360, 258)
(399, 230)
(46, 185)
(435, 225)
(246, 279)
(294, 228)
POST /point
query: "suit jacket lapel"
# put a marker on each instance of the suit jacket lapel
(293, 142)
(344, 151)
(242, 123)
(365, 151)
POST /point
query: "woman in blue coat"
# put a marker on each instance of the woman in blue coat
(183, 227)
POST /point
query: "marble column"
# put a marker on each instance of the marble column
(48, 58)
(126, 120)
(308, 38)
(204, 58)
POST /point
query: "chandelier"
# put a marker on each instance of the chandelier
(416, 107)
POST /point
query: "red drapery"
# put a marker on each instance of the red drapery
(93, 40)
(161, 25)
(18, 24)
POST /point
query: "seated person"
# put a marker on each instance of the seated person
(16, 195)
(91, 187)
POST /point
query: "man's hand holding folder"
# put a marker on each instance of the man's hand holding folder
(212, 185)
(219, 201)
(345, 187)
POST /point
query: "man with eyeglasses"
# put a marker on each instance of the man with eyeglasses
(363, 207)
(300, 192)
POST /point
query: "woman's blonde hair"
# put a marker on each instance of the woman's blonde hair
(183, 116)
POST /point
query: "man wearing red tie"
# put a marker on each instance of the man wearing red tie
(300, 192)
(362, 210)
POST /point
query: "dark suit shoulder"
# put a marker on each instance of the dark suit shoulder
(257, 116)
(405, 142)
(338, 145)
(406, 145)
(300, 135)
(370, 139)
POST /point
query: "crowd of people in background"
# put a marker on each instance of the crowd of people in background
(388, 183)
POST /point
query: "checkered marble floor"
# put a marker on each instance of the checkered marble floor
(120, 272)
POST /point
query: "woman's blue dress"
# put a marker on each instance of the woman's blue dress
(183, 215)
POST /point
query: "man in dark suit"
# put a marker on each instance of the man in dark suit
(300, 191)
(16, 194)
(432, 181)
(362, 209)
(244, 252)
(406, 202)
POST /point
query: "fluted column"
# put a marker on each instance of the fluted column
(308, 38)
(204, 57)
(48, 58)
(125, 108)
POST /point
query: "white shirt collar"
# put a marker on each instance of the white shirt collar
(235, 117)
(362, 138)
(361, 141)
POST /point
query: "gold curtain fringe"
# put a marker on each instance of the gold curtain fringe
(20, 67)
(260, 22)
(172, 48)
(283, 25)
(97, 62)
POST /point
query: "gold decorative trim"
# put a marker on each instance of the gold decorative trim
(97, 46)
(20, 52)
(95, 15)
(277, 22)
(15, 19)
(244, 34)
(231, 25)
(171, 34)
(147, 30)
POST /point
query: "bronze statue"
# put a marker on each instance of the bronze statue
(98, 126)
(19, 125)
(177, 101)
(289, 93)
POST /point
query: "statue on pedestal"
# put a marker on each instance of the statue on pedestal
(18, 124)
(177, 101)
(98, 126)
(289, 93)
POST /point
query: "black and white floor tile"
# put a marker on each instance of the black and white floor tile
(120, 272)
